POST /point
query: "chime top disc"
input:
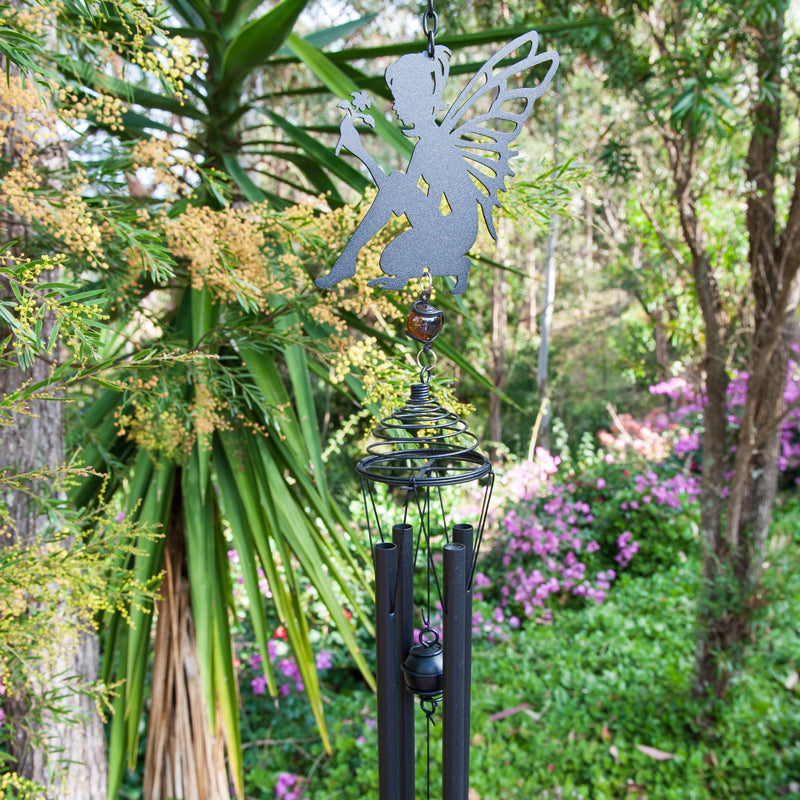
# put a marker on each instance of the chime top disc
(424, 467)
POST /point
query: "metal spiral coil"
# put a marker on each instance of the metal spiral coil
(423, 444)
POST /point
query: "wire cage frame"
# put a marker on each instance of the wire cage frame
(423, 444)
(420, 450)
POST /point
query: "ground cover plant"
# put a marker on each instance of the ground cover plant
(595, 704)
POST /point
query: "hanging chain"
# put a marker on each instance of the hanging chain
(423, 324)
(426, 279)
(430, 27)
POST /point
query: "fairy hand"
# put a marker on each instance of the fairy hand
(348, 135)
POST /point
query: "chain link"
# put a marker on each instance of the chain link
(426, 369)
(426, 284)
(430, 16)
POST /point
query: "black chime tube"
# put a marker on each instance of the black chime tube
(454, 728)
(463, 534)
(385, 558)
(403, 538)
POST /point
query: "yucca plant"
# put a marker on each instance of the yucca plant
(219, 447)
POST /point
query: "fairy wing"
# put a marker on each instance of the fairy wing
(484, 135)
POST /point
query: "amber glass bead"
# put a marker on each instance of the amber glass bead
(424, 322)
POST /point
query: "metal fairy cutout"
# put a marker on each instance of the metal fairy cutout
(458, 164)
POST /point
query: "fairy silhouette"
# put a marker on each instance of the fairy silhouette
(457, 164)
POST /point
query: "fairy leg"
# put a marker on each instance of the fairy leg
(345, 265)
(404, 258)
(454, 238)
(380, 212)
(461, 273)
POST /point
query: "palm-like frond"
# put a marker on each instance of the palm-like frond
(267, 482)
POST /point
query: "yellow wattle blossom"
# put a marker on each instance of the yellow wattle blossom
(24, 113)
(67, 215)
(29, 124)
(208, 413)
(170, 167)
(174, 62)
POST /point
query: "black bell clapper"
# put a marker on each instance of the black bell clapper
(423, 667)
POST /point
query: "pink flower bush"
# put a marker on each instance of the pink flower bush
(525, 480)
(643, 438)
(684, 424)
(545, 550)
(287, 787)
(627, 549)
(564, 532)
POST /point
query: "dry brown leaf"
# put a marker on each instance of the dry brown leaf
(654, 752)
(605, 733)
(509, 712)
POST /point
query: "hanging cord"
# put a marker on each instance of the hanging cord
(424, 514)
(430, 27)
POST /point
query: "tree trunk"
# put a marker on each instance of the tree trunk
(715, 463)
(732, 563)
(497, 347)
(529, 313)
(543, 366)
(549, 294)
(185, 760)
(72, 760)
(682, 150)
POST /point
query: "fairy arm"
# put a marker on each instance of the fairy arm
(377, 215)
(350, 139)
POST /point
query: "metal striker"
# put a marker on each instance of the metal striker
(423, 667)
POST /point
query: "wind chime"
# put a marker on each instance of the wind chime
(421, 452)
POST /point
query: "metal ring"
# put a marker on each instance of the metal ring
(426, 289)
(430, 709)
(427, 642)
(426, 368)
(425, 17)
